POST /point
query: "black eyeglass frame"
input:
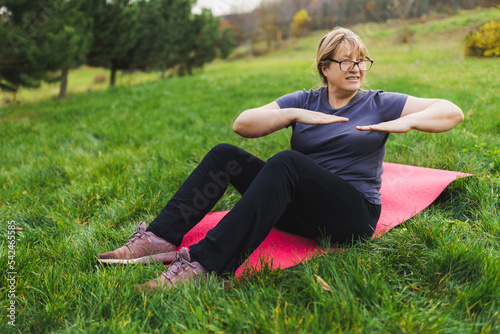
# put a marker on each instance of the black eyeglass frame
(354, 63)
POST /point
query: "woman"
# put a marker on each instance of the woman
(325, 188)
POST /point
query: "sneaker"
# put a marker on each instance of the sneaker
(143, 247)
(181, 270)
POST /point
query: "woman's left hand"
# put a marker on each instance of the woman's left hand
(427, 115)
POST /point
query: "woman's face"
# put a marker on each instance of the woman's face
(341, 81)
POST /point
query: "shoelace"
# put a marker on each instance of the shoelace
(136, 235)
(177, 265)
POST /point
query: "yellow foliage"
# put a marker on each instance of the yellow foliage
(485, 42)
(300, 23)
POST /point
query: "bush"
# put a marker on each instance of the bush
(485, 42)
(301, 23)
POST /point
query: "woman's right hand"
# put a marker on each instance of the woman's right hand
(314, 117)
(259, 122)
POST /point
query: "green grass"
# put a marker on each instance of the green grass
(83, 79)
(77, 175)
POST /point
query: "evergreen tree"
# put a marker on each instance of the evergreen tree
(226, 42)
(170, 35)
(162, 26)
(115, 34)
(177, 16)
(24, 59)
(206, 39)
(39, 40)
(71, 41)
(202, 41)
(151, 25)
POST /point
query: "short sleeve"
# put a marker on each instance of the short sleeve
(292, 100)
(390, 105)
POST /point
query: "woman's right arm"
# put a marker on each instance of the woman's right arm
(259, 122)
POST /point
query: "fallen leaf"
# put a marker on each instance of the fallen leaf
(323, 284)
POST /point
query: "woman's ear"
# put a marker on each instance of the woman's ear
(324, 70)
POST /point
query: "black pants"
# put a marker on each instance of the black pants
(289, 191)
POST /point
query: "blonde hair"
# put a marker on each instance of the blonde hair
(333, 42)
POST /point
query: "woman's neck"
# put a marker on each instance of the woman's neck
(339, 99)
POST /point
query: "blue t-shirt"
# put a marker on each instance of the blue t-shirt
(356, 156)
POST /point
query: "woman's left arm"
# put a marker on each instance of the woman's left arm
(427, 115)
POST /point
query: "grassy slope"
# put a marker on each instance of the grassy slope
(77, 174)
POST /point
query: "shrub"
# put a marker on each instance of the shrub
(485, 42)
(301, 23)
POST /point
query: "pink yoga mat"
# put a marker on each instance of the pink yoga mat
(406, 190)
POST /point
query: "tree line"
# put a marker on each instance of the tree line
(275, 20)
(43, 40)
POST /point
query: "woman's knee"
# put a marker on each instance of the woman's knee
(285, 157)
(284, 161)
(222, 148)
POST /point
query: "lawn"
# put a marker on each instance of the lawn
(77, 175)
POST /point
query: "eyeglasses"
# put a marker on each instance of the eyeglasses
(348, 65)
